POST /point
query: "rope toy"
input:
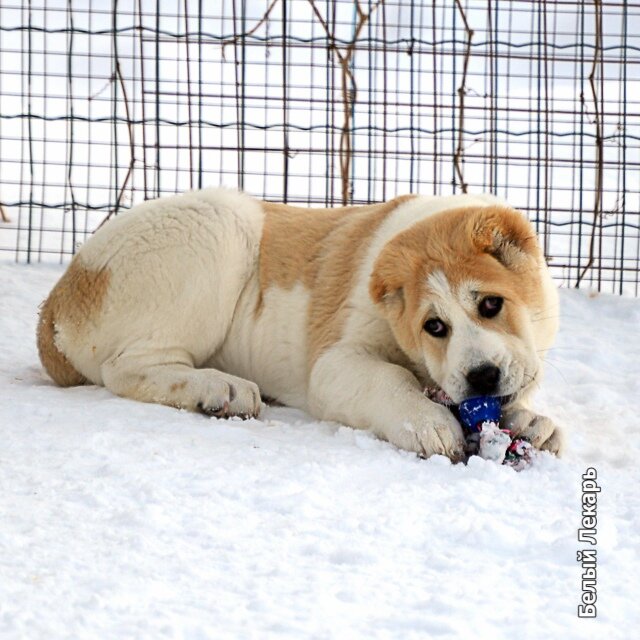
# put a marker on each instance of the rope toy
(480, 419)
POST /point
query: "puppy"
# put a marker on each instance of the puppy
(202, 301)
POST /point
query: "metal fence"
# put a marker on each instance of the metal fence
(308, 101)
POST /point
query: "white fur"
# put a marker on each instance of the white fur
(471, 345)
(365, 391)
(374, 389)
(270, 347)
(179, 324)
(178, 267)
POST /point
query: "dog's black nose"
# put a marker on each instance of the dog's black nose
(484, 379)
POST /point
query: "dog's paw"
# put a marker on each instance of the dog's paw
(541, 431)
(438, 433)
(223, 396)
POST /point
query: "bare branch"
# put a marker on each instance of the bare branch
(462, 89)
(251, 31)
(597, 205)
(348, 86)
(132, 158)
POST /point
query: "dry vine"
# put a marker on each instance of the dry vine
(597, 206)
(123, 186)
(462, 89)
(349, 87)
(344, 57)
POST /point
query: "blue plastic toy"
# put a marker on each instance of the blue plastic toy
(474, 411)
(480, 419)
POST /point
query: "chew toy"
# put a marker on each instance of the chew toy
(480, 418)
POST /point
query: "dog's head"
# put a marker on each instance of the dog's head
(468, 297)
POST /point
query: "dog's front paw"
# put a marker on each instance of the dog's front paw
(541, 431)
(439, 433)
(223, 396)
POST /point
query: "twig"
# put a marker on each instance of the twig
(189, 99)
(597, 206)
(3, 215)
(258, 24)
(348, 82)
(349, 87)
(123, 187)
(102, 89)
(457, 158)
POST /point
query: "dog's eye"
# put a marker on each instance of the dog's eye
(490, 306)
(436, 328)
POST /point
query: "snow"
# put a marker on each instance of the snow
(119, 519)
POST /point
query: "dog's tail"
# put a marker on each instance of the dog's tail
(54, 361)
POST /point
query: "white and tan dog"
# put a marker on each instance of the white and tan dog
(203, 301)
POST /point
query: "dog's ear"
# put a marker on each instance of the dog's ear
(506, 235)
(390, 272)
(385, 293)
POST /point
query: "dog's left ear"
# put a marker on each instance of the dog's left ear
(390, 272)
(385, 289)
(506, 235)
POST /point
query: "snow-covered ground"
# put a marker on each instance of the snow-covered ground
(125, 520)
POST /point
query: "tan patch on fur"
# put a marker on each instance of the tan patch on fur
(322, 248)
(493, 246)
(295, 240)
(177, 385)
(77, 298)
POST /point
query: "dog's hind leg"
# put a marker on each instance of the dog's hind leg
(169, 377)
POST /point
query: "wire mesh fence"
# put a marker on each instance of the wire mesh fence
(324, 103)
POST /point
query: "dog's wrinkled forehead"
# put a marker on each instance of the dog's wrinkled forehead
(439, 284)
(465, 291)
(456, 255)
